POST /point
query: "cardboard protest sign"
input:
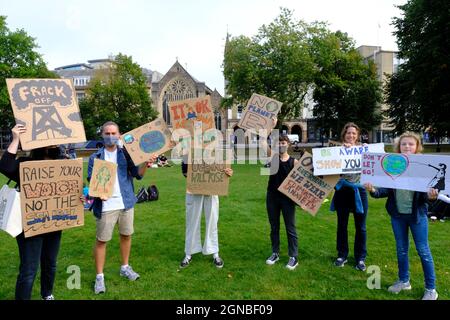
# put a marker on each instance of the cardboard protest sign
(306, 189)
(259, 114)
(183, 113)
(206, 173)
(50, 195)
(153, 138)
(49, 110)
(341, 160)
(103, 179)
(415, 172)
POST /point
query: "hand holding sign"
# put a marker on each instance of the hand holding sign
(149, 163)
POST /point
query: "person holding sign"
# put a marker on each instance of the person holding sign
(408, 211)
(119, 208)
(195, 204)
(277, 202)
(350, 196)
(41, 249)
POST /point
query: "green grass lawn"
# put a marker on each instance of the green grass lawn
(158, 247)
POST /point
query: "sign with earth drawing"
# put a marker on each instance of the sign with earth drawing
(415, 172)
(259, 114)
(103, 179)
(153, 138)
(48, 109)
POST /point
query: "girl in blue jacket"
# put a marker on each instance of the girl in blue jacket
(408, 211)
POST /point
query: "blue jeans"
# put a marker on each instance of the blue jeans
(41, 249)
(401, 226)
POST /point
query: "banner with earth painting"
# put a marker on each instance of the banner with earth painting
(415, 172)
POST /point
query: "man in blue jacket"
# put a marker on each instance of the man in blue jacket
(119, 208)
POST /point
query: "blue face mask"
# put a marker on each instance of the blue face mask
(110, 141)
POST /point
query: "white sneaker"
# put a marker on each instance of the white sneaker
(399, 286)
(430, 294)
(99, 286)
(129, 273)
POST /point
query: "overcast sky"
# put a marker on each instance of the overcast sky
(156, 32)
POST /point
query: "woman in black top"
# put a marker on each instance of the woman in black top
(277, 202)
(40, 249)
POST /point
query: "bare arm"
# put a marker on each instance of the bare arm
(16, 132)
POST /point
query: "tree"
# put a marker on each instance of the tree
(418, 94)
(275, 63)
(118, 94)
(289, 58)
(18, 59)
(346, 89)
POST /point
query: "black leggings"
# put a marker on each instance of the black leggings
(41, 249)
(276, 202)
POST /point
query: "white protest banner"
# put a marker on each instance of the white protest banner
(341, 160)
(415, 172)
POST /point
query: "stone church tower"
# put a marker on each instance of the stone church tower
(178, 84)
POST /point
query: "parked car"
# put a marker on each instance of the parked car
(293, 138)
(93, 144)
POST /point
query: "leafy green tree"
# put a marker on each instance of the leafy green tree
(346, 88)
(289, 58)
(275, 63)
(18, 59)
(419, 94)
(118, 94)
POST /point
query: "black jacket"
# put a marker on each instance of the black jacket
(419, 205)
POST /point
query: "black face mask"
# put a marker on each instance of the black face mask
(42, 153)
(53, 153)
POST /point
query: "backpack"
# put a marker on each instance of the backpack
(142, 195)
(153, 193)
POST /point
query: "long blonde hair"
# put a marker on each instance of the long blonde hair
(408, 134)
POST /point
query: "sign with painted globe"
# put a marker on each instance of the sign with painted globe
(153, 138)
(394, 164)
(152, 141)
(415, 172)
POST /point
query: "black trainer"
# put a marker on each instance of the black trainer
(218, 262)
(273, 258)
(292, 264)
(361, 266)
(340, 262)
(186, 261)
